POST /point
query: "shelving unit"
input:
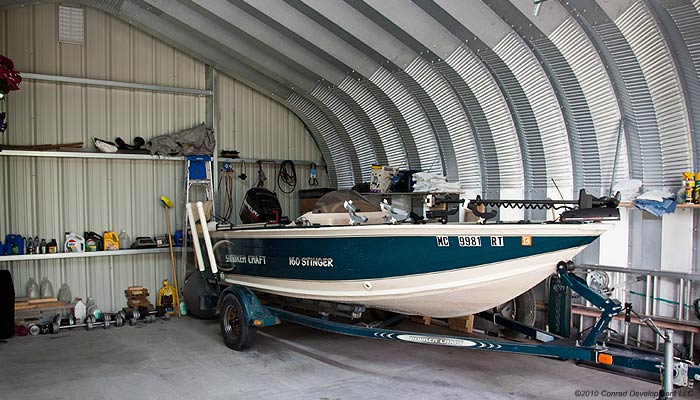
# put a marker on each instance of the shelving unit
(30, 257)
(85, 154)
(629, 204)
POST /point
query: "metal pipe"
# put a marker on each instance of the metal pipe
(195, 236)
(639, 271)
(116, 84)
(668, 365)
(207, 239)
(681, 298)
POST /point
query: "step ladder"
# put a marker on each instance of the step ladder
(198, 173)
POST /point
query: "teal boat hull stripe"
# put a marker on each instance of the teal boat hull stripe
(355, 258)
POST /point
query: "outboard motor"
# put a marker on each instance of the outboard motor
(260, 205)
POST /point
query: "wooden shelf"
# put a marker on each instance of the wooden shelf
(406, 193)
(127, 252)
(629, 204)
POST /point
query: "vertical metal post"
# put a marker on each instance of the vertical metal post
(681, 298)
(212, 122)
(654, 294)
(668, 365)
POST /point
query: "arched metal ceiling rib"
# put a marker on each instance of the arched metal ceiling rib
(591, 73)
(364, 136)
(442, 102)
(632, 92)
(641, 31)
(458, 17)
(364, 34)
(232, 41)
(337, 149)
(271, 18)
(682, 27)
(416, 29)
(559, 80)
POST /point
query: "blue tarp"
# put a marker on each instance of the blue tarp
(658, 208)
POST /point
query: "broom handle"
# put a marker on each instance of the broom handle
(172, 263)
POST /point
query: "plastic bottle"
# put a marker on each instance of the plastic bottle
(52, 247)
(80, 311)
(32, 289)
(46, 288)
(64, 293)
(42, 246)
(110, 240)
(74, 243)
(183, 307)
(124, 240)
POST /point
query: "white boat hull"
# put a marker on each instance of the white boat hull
(445, 294)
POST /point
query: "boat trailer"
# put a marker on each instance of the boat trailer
(241, 312)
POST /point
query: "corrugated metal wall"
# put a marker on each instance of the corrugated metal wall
(47, 197)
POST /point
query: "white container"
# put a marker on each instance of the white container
(46, 288)
(124, 240)
(80, 311)
(32, 289)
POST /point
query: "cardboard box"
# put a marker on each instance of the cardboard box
(380, 178)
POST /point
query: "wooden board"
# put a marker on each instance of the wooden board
(461, 324)
(40, 301)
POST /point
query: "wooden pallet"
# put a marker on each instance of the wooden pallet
(460, 324)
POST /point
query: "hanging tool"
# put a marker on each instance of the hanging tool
(288, 175)
(168, 205)
(261, 175)
(313, 180)
(227, 177)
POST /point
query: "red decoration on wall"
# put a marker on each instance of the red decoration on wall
(9, 77)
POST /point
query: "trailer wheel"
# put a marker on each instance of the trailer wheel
(521, 309)
(238, 335)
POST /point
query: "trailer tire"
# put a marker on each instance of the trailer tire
(237, 334)
(523, 310)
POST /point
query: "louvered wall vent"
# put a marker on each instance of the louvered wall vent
(71, 25)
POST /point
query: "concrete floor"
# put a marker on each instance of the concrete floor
(186, 359)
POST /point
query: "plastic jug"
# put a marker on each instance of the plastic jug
(32, 289)
(46, 288)
(124, 240)
(52, 247)
(93, 241)
(80, 310)
(64, 293)
(110, 240)
(74, 243)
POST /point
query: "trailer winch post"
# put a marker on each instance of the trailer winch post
(609, 307)
(668, 365)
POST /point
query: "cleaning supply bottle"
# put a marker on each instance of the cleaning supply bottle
(74, 243)
(64, 293)
(124, 240)
(167, 298)
(80, 310)
(46, 288)
(93, 241)
(32, 289)
(42, 246)
(183, 307)
(110, 240)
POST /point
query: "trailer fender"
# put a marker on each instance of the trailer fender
(255, 313)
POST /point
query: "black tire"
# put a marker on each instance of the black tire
(237, 334)
(194, 289)
(7, 305)
(524, 311)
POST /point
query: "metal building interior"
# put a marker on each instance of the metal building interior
(511, 99)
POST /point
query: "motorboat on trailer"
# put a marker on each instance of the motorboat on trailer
(343, 252)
